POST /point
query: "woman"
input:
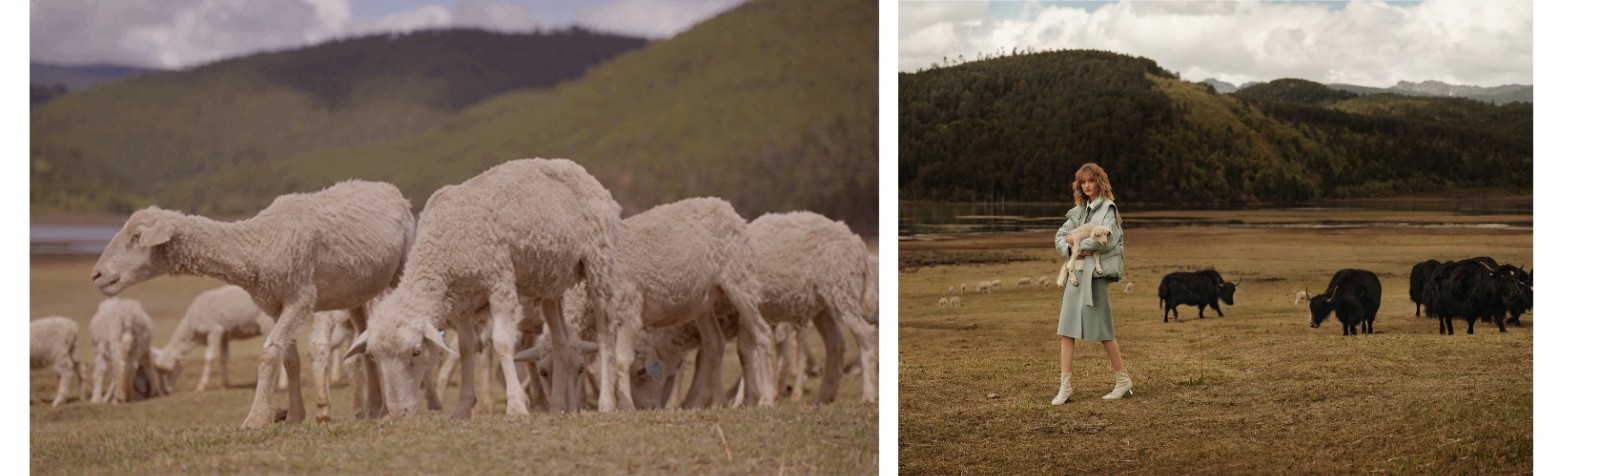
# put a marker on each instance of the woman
(1086, 307)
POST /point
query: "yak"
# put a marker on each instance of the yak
(1353, 295)
(1194, 288)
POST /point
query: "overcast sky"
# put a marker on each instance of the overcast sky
(1372, 43)
(183, 33)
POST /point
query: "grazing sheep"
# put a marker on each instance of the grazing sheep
(1025, 281)
(951, 291)
(53, 341)
(963, 288)
(1301, 295)
(1043, 281)
(121, 332)
(333, 249)
(955, 302)
(520, 233)
(1127, 288)
(214, 317)
(676, 262)
(944, 303)
(1096, 232)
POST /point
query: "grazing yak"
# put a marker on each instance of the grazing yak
(1467, 289)
(1197, 288)
(1419, 279)
(1353, 295)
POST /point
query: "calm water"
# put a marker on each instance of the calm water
(74, 239)
(942, 218)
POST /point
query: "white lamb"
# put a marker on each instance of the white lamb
(1043, 281)
(1025, 281)
(944, 303)
(517, 234)
(333, 249)
(53, 341)
(1088, 230)
(1301, 295)
(121, 333)
(955, 302)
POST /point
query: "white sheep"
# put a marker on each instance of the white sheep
(944, 303)
(1088, 230)
(520, 233)
(676, 262)
(215, 317)
(1127, 288)
(963, 288)
(982, 287)
(121, 333)
(1025, 281)
(955, 302)
(53, 341)
(333, 249)
(1043, 281)
(1301, 295)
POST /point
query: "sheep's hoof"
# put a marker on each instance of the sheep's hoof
(279, 416)
(323, 419)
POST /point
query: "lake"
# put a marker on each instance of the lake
(921, 219)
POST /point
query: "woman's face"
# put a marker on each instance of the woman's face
(1087, 185)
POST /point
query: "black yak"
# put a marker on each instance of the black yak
(1197, 288)
(1353, 295)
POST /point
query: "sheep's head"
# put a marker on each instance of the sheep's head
(653, 375)
(1320, 307)
(137, 253)
(542, 354)
(168, 363)
(404, 346)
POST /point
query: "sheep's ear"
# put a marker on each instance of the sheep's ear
(357, 346)
(155, 234)
(652, 367)
(437, 340)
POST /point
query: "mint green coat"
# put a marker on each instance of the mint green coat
(1081, 320)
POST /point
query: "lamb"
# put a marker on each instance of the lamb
(676, 262)
(1025, 281)
(215, 317)
(1044, 281)
(1088, 230)
(963, 288)
(951, 291)
(52, 342)
(1302, 295)
(944, 303)
(1127, 288)
(520, 233)
(121, 332)
(955, 302)
(333, 249)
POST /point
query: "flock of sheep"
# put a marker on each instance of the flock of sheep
(529, 262)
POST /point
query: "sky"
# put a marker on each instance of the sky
(1361, 42)
(170, 34)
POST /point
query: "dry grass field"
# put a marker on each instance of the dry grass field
(198, 432)
(1257, 391)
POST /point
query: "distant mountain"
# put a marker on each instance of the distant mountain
(771, 105)
(1221, 86)
(1493, 95)
(74, 78)
(1016, 128)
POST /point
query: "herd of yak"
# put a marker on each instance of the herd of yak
(1472, 289)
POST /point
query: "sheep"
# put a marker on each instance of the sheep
(815, 268)
(517, 234)
(1044, 281)
(215, 317)
(333, 249)
(955, 302)
(53, 341)
(1302, 295)
(963, 288)
(983, 287)
(677, 261)
(944, 303)
(1127, 288)
(120, 332)
(1088, 230)
(951, 291)
(1025, 281)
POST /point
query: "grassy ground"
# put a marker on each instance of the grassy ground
(1257, 391)
(197, 432)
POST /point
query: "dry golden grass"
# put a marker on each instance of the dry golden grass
(1257, 391)
(197, 432)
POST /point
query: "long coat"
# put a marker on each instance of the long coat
(1090, 320)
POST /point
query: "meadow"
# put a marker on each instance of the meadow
(1256, 391)
(198, 432)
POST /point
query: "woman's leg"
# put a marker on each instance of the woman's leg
(1114, 352)
(1066, 355)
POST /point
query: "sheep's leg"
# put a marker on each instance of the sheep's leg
(222, 361)
(321, 354)
(358, 388)
(448, 367)
(787, 336)
(339, 335)
(866, 336)
(431, 391)
(485, 376)
(563, 377)
(213, 348)
(467, 346)
(274, 351)
(119, 369)
(676, 397)
(101, 365)
(291, 366)
(708, 363)
(620, 373)
(64, 370)
(506, 312)
(833, 363)
(374, 408)
(754, 331)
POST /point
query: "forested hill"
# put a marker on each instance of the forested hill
(1015, 128)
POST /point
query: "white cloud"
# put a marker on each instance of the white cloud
(494, 16)
(1366, 42)
(652, 18)
(420, 18)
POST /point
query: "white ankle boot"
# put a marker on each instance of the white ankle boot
(1124, 386)
(1066, 390)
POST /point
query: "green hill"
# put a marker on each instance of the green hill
(771, 105)
(1015, 128)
